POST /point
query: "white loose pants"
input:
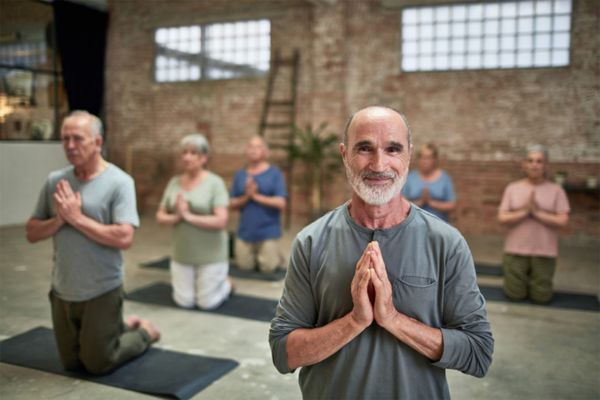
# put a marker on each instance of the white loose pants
(205, 286)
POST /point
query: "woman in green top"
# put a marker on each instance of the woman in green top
(195, 205)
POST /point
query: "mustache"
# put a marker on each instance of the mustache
(378, 175)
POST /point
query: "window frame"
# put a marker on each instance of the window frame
(204, 68)
(516, 35)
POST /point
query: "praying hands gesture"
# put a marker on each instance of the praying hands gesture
(182, 207)
(372, 298)
(371, 289)
(68, 203)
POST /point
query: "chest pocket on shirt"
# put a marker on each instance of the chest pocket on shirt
(416, 296)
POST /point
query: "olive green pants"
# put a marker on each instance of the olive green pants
(91, 334)
(528, 276)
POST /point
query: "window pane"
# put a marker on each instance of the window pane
(474, 61)
(491, 27)
(542, 41)
(426, 31)
(509, 9)
(442, 61)
(541, 58)
(475, 11)
(562, 6)
(509, 26)
(426, 15)
(525, 42)
(507, 43)
(525, 25)
(490, 60)
(459, 29)
(507, 60)
(561, 41)
(491, 44)
(442, 30)
(544, 7)
(458, 46)
(526, 8)
(409, 64)
(474, 45)
(560, 58)
(409, 32)
(562, 23)
(543, 24)
(491, 10)
(426, 47)
(442, 14)
(409, 16)
(525, 59)
(459, 13)
(475, 28)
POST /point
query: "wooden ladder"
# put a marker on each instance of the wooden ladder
(278, 118)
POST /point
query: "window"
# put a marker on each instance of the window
(213, 51)
(32, 94)
(490, 35)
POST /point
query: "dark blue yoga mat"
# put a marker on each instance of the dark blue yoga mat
(488, 269)
(238, 305)
(574, 301)
(157, 372)
(164, 262)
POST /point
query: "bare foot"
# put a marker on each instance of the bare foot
(133, 322)
(151, 329)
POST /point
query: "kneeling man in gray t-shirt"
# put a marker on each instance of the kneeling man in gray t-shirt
(89, 210)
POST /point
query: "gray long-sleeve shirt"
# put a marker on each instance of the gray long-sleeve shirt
(433, 279)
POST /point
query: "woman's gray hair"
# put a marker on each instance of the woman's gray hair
(197, 141)
(538, 148)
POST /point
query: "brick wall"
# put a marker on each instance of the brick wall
(350, 58)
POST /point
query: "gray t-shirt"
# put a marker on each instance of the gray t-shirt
(433, 278)
(84, 269)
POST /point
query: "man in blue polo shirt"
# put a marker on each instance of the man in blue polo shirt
(259, 192)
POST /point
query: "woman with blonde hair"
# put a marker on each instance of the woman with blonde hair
(430, 187)
(195, 205)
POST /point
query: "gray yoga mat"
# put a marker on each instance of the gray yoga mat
(574, 301)
(163, 263)
(157, 372)
(237, 305)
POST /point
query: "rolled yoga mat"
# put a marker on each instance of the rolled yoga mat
(238, 305)
(157, 372)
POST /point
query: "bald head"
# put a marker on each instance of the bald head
(257, 149)
(374, 113)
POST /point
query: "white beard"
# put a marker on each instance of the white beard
(376, 195)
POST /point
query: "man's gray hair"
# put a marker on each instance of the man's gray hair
(384, 107)
(538, 148)
(94, 122)
(197, 141)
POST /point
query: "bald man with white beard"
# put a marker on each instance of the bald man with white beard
(380, 297)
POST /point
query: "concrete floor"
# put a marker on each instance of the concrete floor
(541, 353)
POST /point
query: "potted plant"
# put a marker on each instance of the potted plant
(317, 151)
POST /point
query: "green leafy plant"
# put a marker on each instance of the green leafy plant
(317, 150)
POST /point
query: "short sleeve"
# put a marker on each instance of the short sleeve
(165, 196)
(220, 195)
(450, 195)
(237, 187)
(42, 208)
(505, 203)
(124, 209)
(280, 189)
(562, 202)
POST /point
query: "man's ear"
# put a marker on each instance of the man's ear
(343, 150)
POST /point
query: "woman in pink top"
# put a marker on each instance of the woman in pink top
(534, 209)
